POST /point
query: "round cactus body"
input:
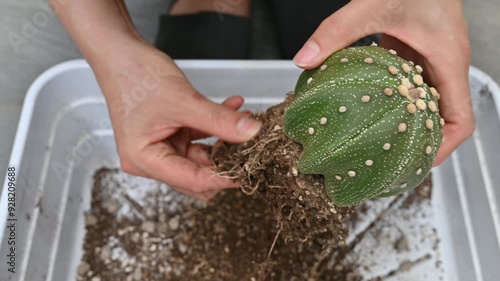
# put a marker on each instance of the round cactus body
(367, 122)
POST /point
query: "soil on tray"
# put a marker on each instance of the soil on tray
(233, 237)
(279, 226)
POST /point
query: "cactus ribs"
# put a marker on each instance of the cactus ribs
(367, 122)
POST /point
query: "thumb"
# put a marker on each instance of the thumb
(221, 121)
(349, 24)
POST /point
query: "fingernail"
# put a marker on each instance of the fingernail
(307, 54)
(248, 126)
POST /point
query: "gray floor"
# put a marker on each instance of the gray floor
(484, 31)
(33, 40)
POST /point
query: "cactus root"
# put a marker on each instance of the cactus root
(267, 167)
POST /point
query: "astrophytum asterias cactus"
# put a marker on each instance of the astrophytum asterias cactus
(367, 122)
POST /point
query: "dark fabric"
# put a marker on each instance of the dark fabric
(210, 35)
(206, 35)
(296, 21)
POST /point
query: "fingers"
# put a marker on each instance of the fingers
(159, 161)
(349, 24)
(455, 133)
(207, 195)
(455, 108)
(221, 121)
(203, 196)
(198, 153)
(449, 70)
(233, 103)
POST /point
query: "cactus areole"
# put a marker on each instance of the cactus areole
(367, 122)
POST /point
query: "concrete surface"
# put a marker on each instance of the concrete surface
(45, 43)
(484, 32)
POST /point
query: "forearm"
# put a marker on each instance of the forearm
(104, 33)
(102, 29)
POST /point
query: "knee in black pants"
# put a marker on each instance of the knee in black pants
(207, 35)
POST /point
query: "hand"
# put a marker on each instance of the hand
(430, 33)
(156, 114)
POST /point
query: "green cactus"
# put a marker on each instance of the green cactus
(367, 122)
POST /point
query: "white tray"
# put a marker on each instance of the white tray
(64, 112)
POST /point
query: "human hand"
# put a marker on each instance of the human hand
(430, 33)
(156, 114)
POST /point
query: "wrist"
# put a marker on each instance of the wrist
(116, 50)
(132, 61)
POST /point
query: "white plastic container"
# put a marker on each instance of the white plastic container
(64, 136)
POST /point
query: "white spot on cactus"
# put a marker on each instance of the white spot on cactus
(402, 127)
(393, 52)
(434, 92)
(352, 174)
(344, 60)
(411, 63)
(386, 146)
(428, 150)
(421, 104)
(411, 108)
(418, 79)
(338, 178)
(419, 172)
(406, 82)
(342, 109)
(432, 106)
(374, 44)
(323, 67)
(406, 67)
(393, 70)
(403, 90)
(429, 124)
(309, 80)
(369, 163)
(365, 98)
(419, 68)
(368, 60)
(404, 185)
(441, 121)
(311, 131)
(323, 120)
(422, 93)
(388, 92)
